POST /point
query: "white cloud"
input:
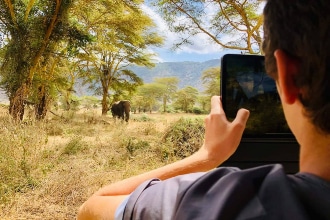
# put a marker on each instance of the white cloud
(201, 43)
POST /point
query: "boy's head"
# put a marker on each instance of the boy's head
(301, 28)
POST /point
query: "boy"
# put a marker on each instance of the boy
(297, 55)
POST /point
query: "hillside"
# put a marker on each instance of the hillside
(189, 73)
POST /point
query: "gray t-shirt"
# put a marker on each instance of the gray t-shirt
(264, 192)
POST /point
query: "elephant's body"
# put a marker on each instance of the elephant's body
(121, 109)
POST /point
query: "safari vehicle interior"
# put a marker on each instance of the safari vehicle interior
(267, 138)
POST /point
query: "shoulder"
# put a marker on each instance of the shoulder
(157, 199)
(263, 192)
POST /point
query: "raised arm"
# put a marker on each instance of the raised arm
(221, 140)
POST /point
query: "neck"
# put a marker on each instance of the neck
(315, 153)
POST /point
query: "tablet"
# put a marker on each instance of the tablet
(245, 84)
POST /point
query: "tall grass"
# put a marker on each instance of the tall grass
(185, 136)
(20, 148)
(48, 169)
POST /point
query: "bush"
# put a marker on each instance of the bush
(142, 118)
(169, 109)
(74, 146)
(19, 158)
(186, 136)
(197, 111)
(133, 145)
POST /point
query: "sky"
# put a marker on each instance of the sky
(201, 50)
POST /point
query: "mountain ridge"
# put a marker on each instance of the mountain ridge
(189, 73)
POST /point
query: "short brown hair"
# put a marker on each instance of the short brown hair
(301, 28)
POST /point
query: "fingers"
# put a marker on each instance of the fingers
(241, 118)
(242, 115)
(216, 105)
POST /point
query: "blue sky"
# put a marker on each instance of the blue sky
(201, 50)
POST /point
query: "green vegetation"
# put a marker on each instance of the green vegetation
(51, 163)
(163, 95)
(48, 168)
(21, 148)
(188, 73)
(47, 45)
(185, 136)
(241, 21)
(74, 146)
(186, 99)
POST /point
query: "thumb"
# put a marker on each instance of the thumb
(241, 118)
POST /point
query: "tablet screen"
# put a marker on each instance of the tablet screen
(245, 84)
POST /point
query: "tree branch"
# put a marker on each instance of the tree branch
(11, 11)
(28, 9)
(49, 31)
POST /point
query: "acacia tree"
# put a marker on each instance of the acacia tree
(186, 98)
(230, 24)
(47, 82)
(122, 34)
(170, 86)
(32, 30)
(211, 81)
(147, 95)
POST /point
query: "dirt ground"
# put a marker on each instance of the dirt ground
(82, 153)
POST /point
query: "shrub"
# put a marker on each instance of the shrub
(198, 111)
(186, 136)
(74, 146)
(142, 118)
(133, 144)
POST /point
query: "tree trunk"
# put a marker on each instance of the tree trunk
(42, 106)
(105, 106)
(17, 103)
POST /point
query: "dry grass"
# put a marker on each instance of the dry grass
(48, 169)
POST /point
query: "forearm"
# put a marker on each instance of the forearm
(198, 162)
(221, 141)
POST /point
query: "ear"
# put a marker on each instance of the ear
(287, 69)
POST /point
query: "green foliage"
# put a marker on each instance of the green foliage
(171, 109)
(147, 96)
(211, 81)
(133, 145)
(186, 98)
(142, 118)
(123, 33)
(74, 146)
(188, 72)
(198, 111)
(204, 103)
(33, 38)
(186, 136)
(170, 86)
(70, 104)
(239, 21)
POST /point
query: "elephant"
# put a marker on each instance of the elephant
(121, 109)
